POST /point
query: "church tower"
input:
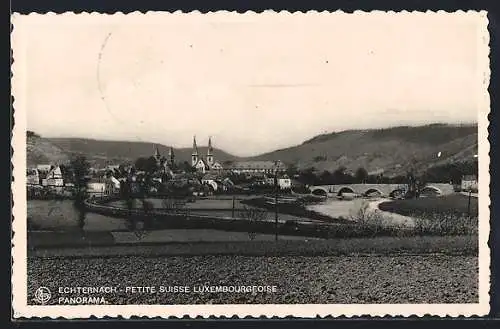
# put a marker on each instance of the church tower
(210, 153)
(194, 154)
(171, 156)
(157, 156)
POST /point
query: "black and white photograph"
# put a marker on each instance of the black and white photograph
(250, 164)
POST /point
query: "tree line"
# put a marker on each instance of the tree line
(78, 168)
(310, 176)
(451, 172)
(445, 173)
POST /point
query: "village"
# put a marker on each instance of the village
(163, 175)
(204, 176)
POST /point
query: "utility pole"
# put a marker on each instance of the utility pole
(276, 187)
(232, 212)
(470, 192)
(468, 204)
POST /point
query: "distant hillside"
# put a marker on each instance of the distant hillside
(42, 151)
(391, 150)
(100, 152)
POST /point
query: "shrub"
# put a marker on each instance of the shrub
(368, 221)
(254, 215)
(445, 224)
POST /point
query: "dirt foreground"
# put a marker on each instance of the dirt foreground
(291, 279)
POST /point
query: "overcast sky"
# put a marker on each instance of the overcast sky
(253, 82)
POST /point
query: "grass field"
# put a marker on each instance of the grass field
(456, 204)
(100, 245)
(446, 215)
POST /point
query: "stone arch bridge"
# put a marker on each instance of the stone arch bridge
(380, 189)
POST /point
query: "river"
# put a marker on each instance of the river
(338, 208)
(351, 209)
(61, 216)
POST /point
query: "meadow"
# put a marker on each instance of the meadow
(446, 215)
(456, 204)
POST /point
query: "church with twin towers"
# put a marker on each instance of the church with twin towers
(207, 163)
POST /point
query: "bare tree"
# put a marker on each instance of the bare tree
(368, 219)
(175, 206)
(254, 215)
(79, 168)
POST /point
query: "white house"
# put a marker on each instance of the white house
(112, 186)
(469, 183)
(285, 183)
(115, 183)
(44, 168)
(269, 180)
(96, 187)
(157, 179)
(112, 167)
(226, 184)
(32, 177)
(54, 178)
(210, 180)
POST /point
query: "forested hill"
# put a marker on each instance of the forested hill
(391, 150)
(102, 152)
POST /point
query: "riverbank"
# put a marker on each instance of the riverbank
(300, 210)
(387, 217)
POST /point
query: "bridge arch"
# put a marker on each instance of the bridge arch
(345, 189)
(373, 190)
(430, 190)
(319, 191)
(397, 192)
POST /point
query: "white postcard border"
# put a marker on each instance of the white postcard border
(19, 227)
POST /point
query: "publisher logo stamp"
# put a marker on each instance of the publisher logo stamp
(42, 295)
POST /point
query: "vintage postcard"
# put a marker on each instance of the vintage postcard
(273, 164)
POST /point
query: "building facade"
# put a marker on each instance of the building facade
(103, 186)
(32, 177)
(204, 164)
(469, 183)
(54, 178)
(254, 167)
